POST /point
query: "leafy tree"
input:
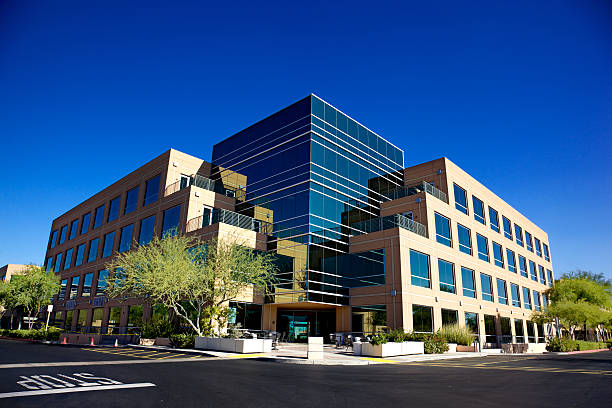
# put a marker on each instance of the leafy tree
(194, 279)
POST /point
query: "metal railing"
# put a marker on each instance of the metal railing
(388, 222)
(197, 181)
(405, 191)
(231, 218)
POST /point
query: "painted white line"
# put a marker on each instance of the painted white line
(77, 389)
(107, 362)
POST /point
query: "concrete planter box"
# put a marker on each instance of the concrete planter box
(162, 341)
(234, 345)
(393, 349)
(147, 342)
(464, 349)
(452, 348)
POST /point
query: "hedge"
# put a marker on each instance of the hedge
(51, 335)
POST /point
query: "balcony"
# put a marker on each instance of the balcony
(197, 180)
(405, 191)
(388, 222)
(219, 215)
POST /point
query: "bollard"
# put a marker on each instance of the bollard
(315, 348)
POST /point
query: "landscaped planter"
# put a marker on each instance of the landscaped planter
(234, 345)
(162, 341)
(452, 348)
(147, 342)
(463, 349)
(393, 349)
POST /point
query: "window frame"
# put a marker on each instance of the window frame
(462, 208)
(482, 255)
(416, 278)
(494, 226)
(441, 239)
(446, 285)
(481, 218)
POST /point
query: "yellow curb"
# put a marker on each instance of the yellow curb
(379, 360)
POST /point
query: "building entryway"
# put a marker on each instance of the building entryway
(298, 325)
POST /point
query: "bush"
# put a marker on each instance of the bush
(456, 334)
(398, 336)
(379, 338)
(157, 327)
(590, 345)
(434, 344)
(182, 340)
(35, 334)
(563, 345)
(609, 343)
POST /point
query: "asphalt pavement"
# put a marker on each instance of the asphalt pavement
(37, 375)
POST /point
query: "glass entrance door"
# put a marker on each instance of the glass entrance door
(299, 325)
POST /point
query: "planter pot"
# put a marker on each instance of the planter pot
(147, 342)
(452, 348)
(464, 349)
(162, 341)
(392, 349)
(234, 345)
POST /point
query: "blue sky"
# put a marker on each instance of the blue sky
(519, 94)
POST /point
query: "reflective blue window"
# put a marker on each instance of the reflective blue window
(516, 295)
(494, 219)
(546, 253)
(80, 254)
(471, 321)
(502, 293)
(85, 223)
(107, 247)
(131, 201)
(518, 234)
(74, 227)
(125, 241)
(151, 190)
(419, 269)
(53, 239)
(74, 287)
(544, 301)
(483, 247)
(486, 287)
(528, 241)
(62, 292)
(422, 319)
(511, 260)
(171, 221)
(467, 281)
(465, 239)
(478, 208)
(460, 199)
(113, 209)
(538, 247)
(550, 277)
(523, 266)
(447, 276)
(93, 250)
(507, 228)
(532, 271)
(98, 218)
(101, 283)
(87, 283)
(498, 256)
(443, 230)
(68, 259)
(542, 274)
(147, 226)
(526, 299)
(49, 263)
(58, 262)
(63, 234)
(536, 301)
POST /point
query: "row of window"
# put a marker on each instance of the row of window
(478, 207)
(131, 203)
(63, 261)
(464, 235)
(87, 289)
(420, 276)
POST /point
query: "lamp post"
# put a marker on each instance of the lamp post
(49, 310)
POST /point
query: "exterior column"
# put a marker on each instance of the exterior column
(343, 319)
(269, 317)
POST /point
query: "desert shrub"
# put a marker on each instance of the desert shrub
(157, 327)
(590, 345)
(434, 344)
(563, 345)
(397, 336)
(609, 343)
(35, 334)
(456, 334)
(379, 338)
(182, 340)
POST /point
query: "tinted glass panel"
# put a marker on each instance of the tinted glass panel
(58, 262)
(502, 295)
(471, 322)
(498, 255)
(113, 209)
(419, 269)
(109, 240)
(447, 276)
(87, 282)
(550, 277)
(465, 239)
(507, 228)
(526, 298)
(125, 242)
(460, 199)
(85, 224)
(494, 219)
(53, 240)
(467, 280)
(528, 241)
(519, 329)
(536, 301)
(449, 317)
(523, 266)
(62, 292)
(68, 259)
(131, 200)
(74, 228)
(151, 190)
(63, 234)
(147, 226)
(538, 247)
(98, 217)
(532, 271)
(443, 230)
(101, 283)
(74, 287)
(93, 249)
(518, 234)
(171, 221)
(511, 260)
(483, 248)
(516, 296)
(478, 210)
(486, 287)
(422, 319)
(542, 274)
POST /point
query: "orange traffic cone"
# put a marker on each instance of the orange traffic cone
(92, 342)
(64, 341)
(116, 343)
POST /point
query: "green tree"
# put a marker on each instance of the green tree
(194, 279)
(31, 290)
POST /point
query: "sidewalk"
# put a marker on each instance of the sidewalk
(289, 353)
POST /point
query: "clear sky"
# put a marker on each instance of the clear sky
(517, 94)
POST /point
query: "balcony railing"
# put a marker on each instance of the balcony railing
(219, 215)
(388, 222)
(197, 181)
(405, 191)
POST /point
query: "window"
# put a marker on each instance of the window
(494, 219)
(519, 329)
(498, 255)
(536, 301)
(532, 271)
(526, 299)
(502, 292)
(151, 191)
(101, 283)
(131, 200)
(206, 216)
(62, 291)
(58, 262)
(516, 295)
(185, 181)
(538, 247)
(171, 221)
(98, 217)
(550, 277)
(546, 253)
(49, 263)
(518, 234)
(147, 226)
(74, 227)
(85, 223)
(483, 247)
(471, 322)
(96, 319)
(460, 199)
(422, 319)
(53, 239)
(135, 316)
(443, 230)
(530, 332)
(68, 259)
(467, 280)
(511, 260)
(80, 255)
(544, 301)
(523, 266)
(93, 250)
(528, 241)
(113, 209)
(125, 241)
(486, 287)
(465, 239)
(449, 317)
(74, 287)
(478, 208)
(507, 228)
(447, 276)
(63, 234)
(107, 247)
(87, 282)
(419, 269)
(489, 326)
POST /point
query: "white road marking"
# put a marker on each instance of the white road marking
(76, 389)
(108, 362)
